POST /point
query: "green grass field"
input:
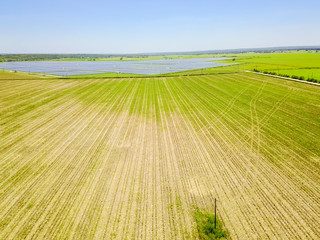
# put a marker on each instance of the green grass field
(284, 60)
(132, 158)
(302, 64)
(306, 73)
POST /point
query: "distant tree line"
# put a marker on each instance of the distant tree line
(27, 57)
(90, 57)
(289, 76)
(50, 57)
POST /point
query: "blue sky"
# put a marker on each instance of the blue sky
(139, 26)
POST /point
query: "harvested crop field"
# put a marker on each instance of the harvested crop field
(132, 158)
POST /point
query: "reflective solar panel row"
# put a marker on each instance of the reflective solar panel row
(147, 67)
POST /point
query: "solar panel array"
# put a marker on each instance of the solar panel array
(147, 67)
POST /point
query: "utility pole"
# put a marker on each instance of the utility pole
(215, 213)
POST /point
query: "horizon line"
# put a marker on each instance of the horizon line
(209, 51)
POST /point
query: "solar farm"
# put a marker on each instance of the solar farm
(143, 158)
(150, 67)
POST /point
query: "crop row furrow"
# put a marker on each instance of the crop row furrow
(35, 115)
(39, 127)
(20, 108)
(91, 155)
(280, 143)
(69, 140)
(220, 157)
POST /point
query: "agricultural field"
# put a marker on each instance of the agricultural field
(133, 158)
(301, 64)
